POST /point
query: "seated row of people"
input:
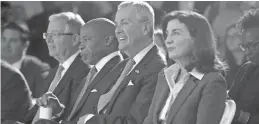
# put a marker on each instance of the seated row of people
(94, 84)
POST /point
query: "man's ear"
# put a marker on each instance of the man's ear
(109, 39)
(146, 27)
(76, 39)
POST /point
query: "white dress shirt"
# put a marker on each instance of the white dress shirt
(175, 88)
(67, 64)
(99, 65)
(137, 58)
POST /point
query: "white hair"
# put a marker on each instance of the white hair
(144, 12)
(74, 21)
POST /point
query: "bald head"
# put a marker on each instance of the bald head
(102, 26)
(97, 40)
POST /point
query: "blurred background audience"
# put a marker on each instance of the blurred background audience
(221, 14)
(24, 22)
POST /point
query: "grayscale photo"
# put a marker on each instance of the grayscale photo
(129, 62)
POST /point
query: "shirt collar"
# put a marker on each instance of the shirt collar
(105, 59)
(175, 67)
(142, 53)
(197, 74)
(18, 64)
(70, 60)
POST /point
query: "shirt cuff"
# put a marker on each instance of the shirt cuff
(243, 117)
(85, 118)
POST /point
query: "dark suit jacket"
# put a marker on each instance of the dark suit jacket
(15, 94)
(67, 86)
(245, 90)
(198, 102)
(90, 99)
(130, 103)
(34, 71)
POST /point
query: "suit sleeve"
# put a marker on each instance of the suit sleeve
(16, 99)
(212, 103)
(139, 109)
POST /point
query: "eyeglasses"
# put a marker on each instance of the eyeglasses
(252, 45)
(47, 35)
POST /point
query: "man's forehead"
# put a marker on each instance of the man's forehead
(57, 25)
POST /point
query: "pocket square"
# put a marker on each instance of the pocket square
(130, 83)
(94, 90)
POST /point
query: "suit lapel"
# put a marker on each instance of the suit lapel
(49, 79)
(104, 71)
(68, 76)
(139, 70)
(181, 97)
(161, 96)
(108, 66)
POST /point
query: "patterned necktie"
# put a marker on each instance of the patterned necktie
(89, 78)
(56, 79)
(105, 98)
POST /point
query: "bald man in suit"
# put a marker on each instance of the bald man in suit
(99, 48)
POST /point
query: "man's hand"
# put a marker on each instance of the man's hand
(44, 121)
(50, 100)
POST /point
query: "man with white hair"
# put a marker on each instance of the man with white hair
(63, 42)
(128, 100)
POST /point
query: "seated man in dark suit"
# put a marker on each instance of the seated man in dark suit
(14, 46)
(63, 44)
(15, 94)
(128, 99)
(245, 88)
(99, 48)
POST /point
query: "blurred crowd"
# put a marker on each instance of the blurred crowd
(28, 49)
(221, 14)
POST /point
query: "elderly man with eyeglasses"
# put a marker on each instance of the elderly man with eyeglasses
(63, 42)
(245, 88)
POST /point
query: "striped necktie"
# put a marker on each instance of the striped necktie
(56, 79)
(89, 78)
(105, 98)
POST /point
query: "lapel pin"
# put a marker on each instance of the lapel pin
(137, 71)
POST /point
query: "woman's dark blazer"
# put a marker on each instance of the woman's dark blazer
(198, 102)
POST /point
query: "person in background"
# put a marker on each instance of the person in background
(244, 90)
(14, 44)
(234, 56)
(15, 95)
(159, 41)
(6, 13)
(191, 91)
